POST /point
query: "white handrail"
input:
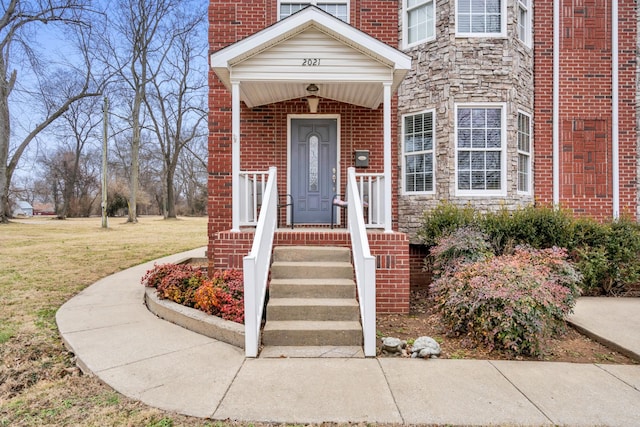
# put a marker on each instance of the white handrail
(256, 266)
(371, 188)
(364, 264)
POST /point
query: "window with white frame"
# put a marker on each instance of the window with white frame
(419, 21)
(337, 8)
(524, 153)
(418, 143)
(480, 150)
(524, 21)
(480, 17)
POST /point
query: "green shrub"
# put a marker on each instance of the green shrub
(511, 302)
(539, 227)
(442, 220)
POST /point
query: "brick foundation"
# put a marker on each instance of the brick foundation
(390, 249)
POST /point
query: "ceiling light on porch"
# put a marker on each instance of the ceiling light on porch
(313, 100)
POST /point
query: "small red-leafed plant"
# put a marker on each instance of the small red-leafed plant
(221, 295)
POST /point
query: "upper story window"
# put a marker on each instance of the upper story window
(419, 21)
(484, 18)
(417, 147)
(480, 150)
(524, 21)
(337, 8)
(524, 153)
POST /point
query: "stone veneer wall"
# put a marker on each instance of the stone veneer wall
(450, 70)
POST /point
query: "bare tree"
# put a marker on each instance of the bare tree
(77, 128)
(177, 96)
(18, 16)
(136, 50)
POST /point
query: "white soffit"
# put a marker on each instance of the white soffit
(311, 46)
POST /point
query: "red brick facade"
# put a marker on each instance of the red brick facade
(585, 112)
(264, 143)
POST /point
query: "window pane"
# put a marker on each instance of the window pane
(494, 118)
(464, 117)
(494, 137)
(464, 160)
(477, 180)
(480, 156)
(493, 6)
(464, 180)
(418, 140)
(493, 160)
(464, 138)
(493, 24)
(477, 160)
(493, 180)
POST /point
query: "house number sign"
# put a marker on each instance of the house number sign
(311, 62)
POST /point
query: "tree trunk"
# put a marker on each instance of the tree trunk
(171, 195)
(135, 157)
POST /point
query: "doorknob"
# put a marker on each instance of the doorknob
(333, 177)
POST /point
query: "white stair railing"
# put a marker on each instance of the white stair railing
(256, 266)
(252, 189)
(371, 189)
(364, 264)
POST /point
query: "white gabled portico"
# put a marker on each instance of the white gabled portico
(310, 47)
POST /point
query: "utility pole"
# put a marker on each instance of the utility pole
(105, 124)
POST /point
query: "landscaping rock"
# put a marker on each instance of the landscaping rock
(393, 346)
(425, 347)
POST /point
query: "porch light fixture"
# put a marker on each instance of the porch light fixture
(312, 99)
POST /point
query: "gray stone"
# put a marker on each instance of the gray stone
(425, 347)
(393, 346)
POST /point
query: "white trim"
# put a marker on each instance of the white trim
(530, 154)
(615, 116)
(297, 23)
(388, 175)
(235, 156)
(405, 24)
(403, 167)
(503, 23)
(555, 147)
(290, 117)
(527, 6)
(503, 151)
(315, 3)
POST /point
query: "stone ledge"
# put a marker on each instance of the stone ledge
(195, 320)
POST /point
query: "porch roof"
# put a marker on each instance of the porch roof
(311, 46)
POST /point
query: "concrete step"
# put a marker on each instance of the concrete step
(315, 352)
(310, 333)
(320, 309)
(311, 270)
(312, 253)
(312, 288)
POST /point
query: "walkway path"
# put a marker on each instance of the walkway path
(115, 337)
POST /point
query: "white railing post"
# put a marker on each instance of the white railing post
(256, 265)
(374, 184)
(364, 264)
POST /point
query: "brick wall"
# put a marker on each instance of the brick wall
(585, 124)
(264, 144)
(391, 251)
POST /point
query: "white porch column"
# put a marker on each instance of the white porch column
(387, 157)
(235, 156)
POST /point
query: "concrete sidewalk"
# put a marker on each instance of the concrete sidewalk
(115, 337)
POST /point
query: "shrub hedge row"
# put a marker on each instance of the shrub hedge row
(607, 254)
